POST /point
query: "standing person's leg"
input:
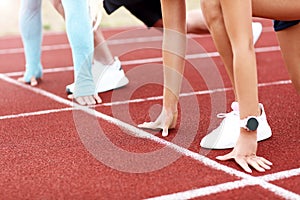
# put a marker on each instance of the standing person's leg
(290, 48)
(80, 34)
(30, 20)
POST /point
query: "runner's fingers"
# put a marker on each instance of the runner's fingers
(243, 163)
(155, 126)
(86, 100)
(70, 96)
(253, 161)
(21, 79)
(33, 81)
(163, 122)
(167, 120)
(97, 98)
(225, 157)
(165, 131)
(80, 100)
(149, 125)
(265, 161)
(89, 100)
(262, 163)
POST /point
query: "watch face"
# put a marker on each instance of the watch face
(252, 124)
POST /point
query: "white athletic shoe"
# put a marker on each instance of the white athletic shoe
(226, 135)
(106, 77)
(257, 29)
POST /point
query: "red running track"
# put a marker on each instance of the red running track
(51, 149)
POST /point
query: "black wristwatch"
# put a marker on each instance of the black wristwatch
(250, 123)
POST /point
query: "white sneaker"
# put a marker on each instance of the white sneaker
(226, 135)
(106, 77)
(256, 29)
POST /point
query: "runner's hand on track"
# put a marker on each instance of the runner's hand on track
(33, 81)
(87, 100)
(165, 121)
(244, 154)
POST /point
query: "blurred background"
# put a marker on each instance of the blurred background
(52, 22)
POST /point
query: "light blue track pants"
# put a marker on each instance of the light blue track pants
(80, 35)
(30, 20)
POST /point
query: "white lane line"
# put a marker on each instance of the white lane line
(135, 40)
(210, 190)
(202, 92)
(44, 48)
(55, 47)
(45, 71)
(204, 191)
(143, 134)
(149, 60)
(36, 90)
(281, 175)
(195, 56)
(109, 42)
(37, 113)
(154, 98)
(67, 46)
(138, 132)
(279, 191)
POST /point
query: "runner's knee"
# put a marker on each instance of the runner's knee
(212, 12)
